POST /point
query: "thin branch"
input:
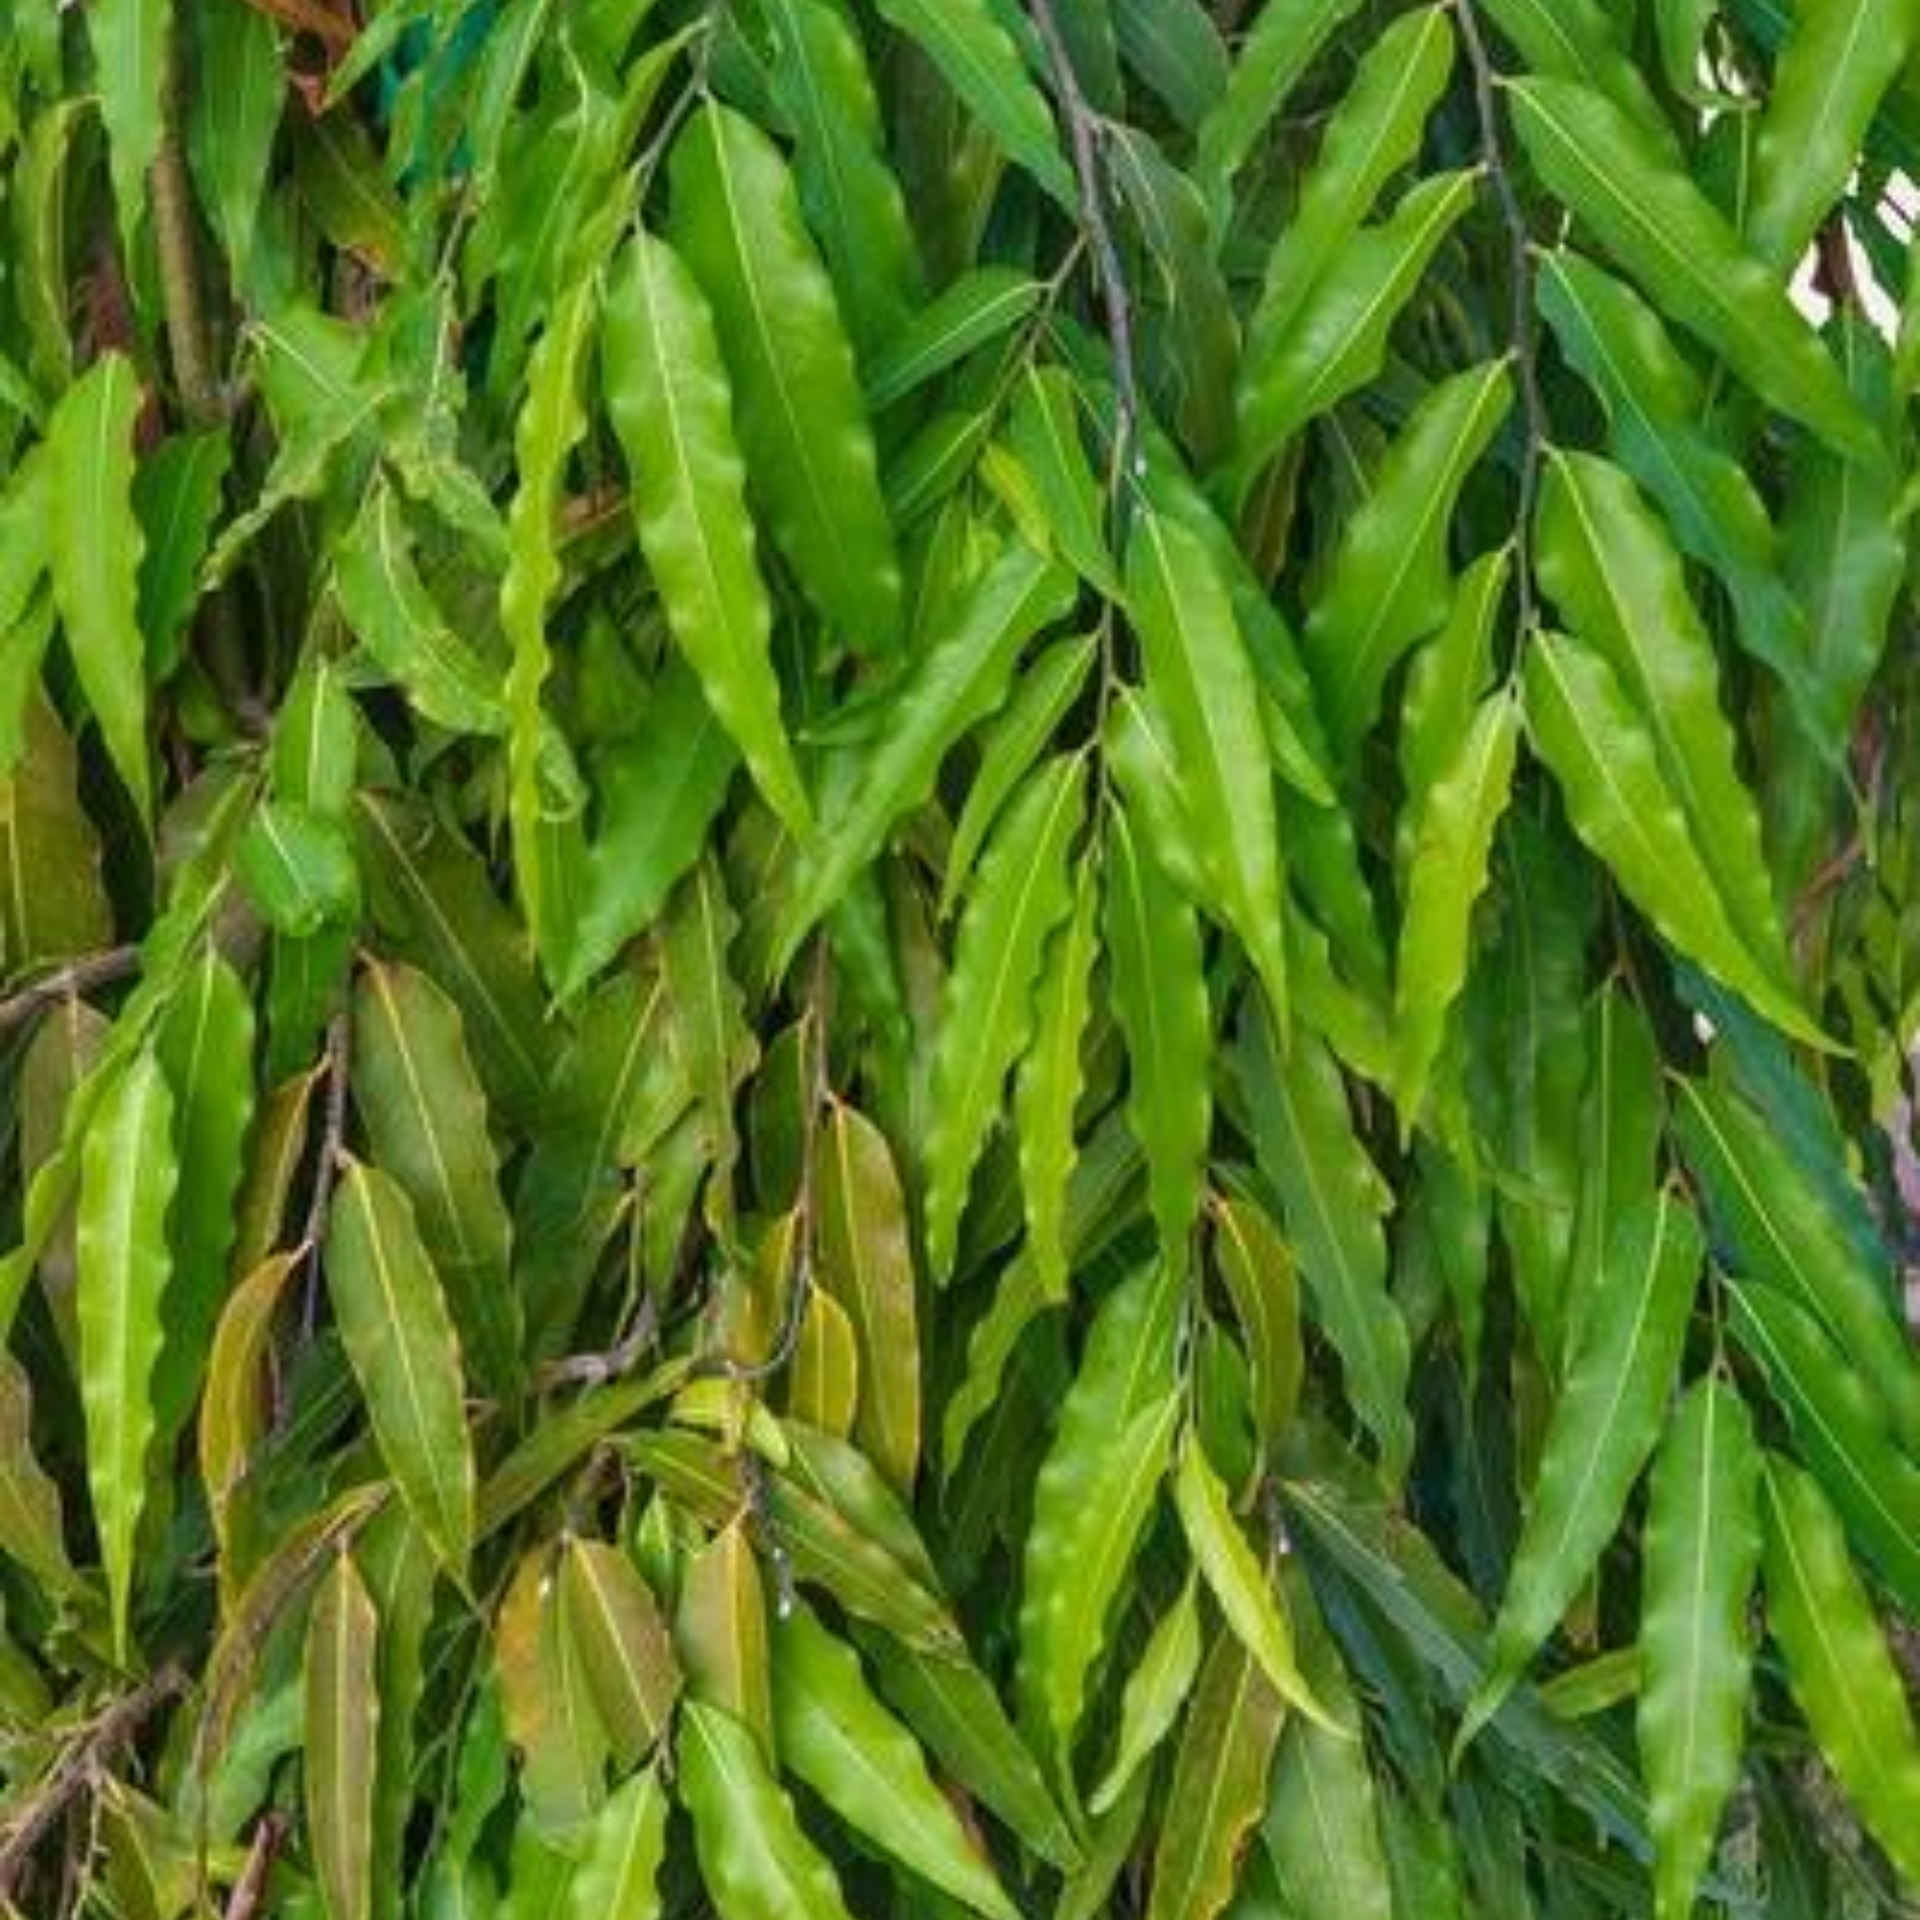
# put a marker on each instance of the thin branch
(1084, 134)
(77, 977)
(1523, 329)
(247, 1901)
(78, 1768)
(327, 1167)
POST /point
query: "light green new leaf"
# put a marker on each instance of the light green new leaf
(129, 40)
(1156, 1691)
(400, 1341)
(1244, 1588)
(755, 1861)
(1659, 225)
(810, 453)
(1840, 58)
(298, 869)
(418, 1096)
(1602, 751)
(1447, 870)
(982, 63)
(863, 1259)
(1389, 581)
(671, 406)
(1374, 132)
(1110, 1447)
(1696, 1657)
(1159, 988)
(1838, 1662)
(1604, 1426)
(1200, 676)
(834, 1734)
(975, 310)
(1606, 561)
(342, 1738)
(622, 1853)
(1022, 892)
(1219, 1785)
(128, 1173)
(95, 548)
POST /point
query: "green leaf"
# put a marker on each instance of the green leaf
(1156, 1691)
(32, 1532)
(205, 1045)
(52, 904)
(129, 1171)
(1244, 1588)
(1603, 752)
(977, 309)
(1607, 563)
(1664, 231)
(553, 420)
(1776, 1227)
(1047, 1092)
(864, 1260)
(1201, 679)
(1219, 1785)
(231, 127)
(1389, 581)
(609, 1615)
(981, 62)
(671, 405)
(1696, 1658)
(1839, 1430)
(837, 1737)
(342, 1732)
(754, 1859)
(417, 1094)
(1159, 989)
(809, 450)
(959, 675)
(1838, 1663)
(1447, 871)
(1580, 40)
(622, 1854)
(1331, 1202)
(1374, 131)
(1022, 892)
(393, 1321)
(95, 549)
(298, 869)
(129, 41)
(1338, 341)
(1096, 1487)
(1257, 1268)
(1839, 61)
(1604, 1426)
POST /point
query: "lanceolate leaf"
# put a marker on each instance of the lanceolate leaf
(129, 39)
(1604, 1426)
(1019, 897)
(95, 548)
(342, 1728)
(1201, 679)
(1838, 1662)
(1703, 1551)
(1665, 232)
(671, 404)
(1604, 755)
(625, 1846)
(393, 1319)
(1157, 1690)
(128, 1175)
(736, 219)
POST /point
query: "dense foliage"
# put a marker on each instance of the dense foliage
(959, 958)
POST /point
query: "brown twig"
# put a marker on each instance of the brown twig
(77, 977)
(1522, 326)
(78, 1767)
(246, 1900)
(1084, 133)
(326, 1168)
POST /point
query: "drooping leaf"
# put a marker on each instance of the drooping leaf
(342, 1728)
